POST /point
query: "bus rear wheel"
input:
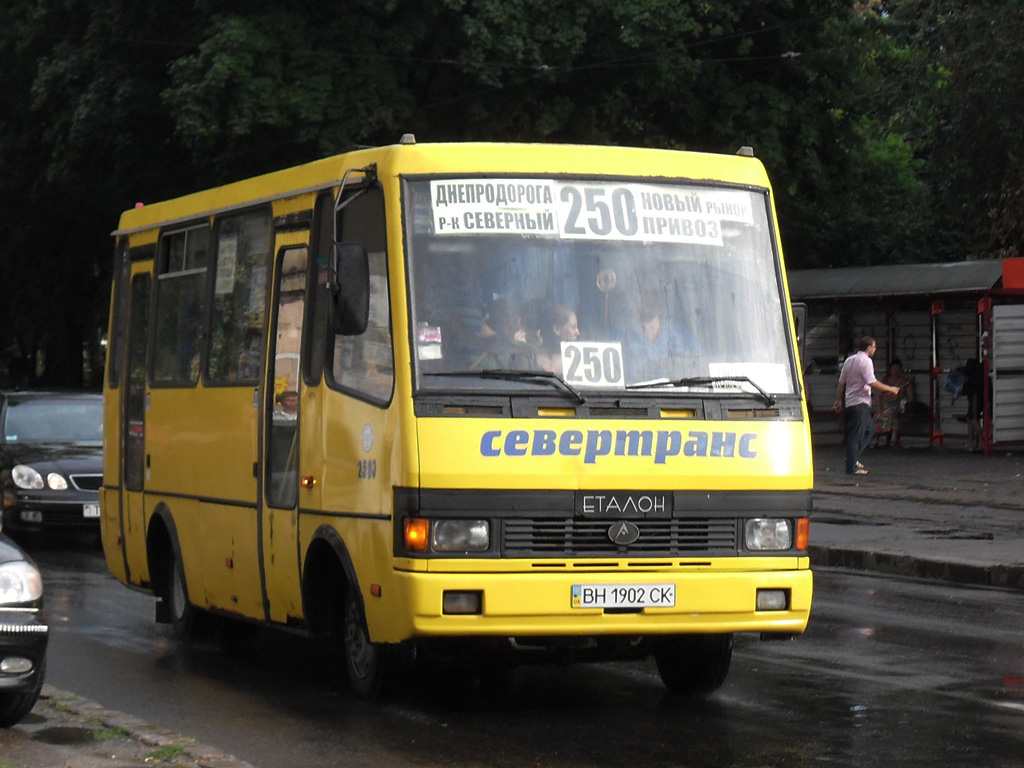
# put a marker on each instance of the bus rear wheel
(182, 612)
(693, 665)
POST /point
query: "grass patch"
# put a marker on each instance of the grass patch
(61, 704)
(167, 753)
(110, 734)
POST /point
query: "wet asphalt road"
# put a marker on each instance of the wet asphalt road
(890, 672)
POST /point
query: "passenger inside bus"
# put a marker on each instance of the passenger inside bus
(506, 348)
(564, 323)
(549, 357)
(282, 449)
(546, 326)
(286, 406)
(653, 346)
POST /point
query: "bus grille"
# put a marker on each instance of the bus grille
(569, 537)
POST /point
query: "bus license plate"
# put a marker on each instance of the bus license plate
(623, 595)
(90, 510)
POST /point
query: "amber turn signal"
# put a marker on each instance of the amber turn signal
(803, 532)
(417, 534)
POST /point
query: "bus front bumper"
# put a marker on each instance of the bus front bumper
(550, 604)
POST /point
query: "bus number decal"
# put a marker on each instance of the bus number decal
(367, 469)
(621, 212)
(592, 364)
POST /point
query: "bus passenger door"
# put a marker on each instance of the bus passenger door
(133, 431)
(281, 422)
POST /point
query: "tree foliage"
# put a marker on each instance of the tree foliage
(888, 127)
(951, 81)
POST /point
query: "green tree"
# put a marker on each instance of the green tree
(955, 86)
(116, 101)
(82, 133)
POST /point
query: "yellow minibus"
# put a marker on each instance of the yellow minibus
(498, 401)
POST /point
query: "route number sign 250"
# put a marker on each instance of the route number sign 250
(592, 364)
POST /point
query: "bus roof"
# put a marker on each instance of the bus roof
(504, 159)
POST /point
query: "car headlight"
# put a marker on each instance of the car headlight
(768, 534)
(460, 536)
(56, 482)
(26, 477)
(20, 582)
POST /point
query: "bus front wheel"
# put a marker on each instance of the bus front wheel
(364, 660)
(693, 665)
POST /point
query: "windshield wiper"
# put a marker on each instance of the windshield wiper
(515, 375)
(691, 381)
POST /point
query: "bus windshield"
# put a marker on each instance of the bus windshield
(607, 285)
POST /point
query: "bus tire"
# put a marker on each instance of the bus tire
(364, 660)
(693, 665)
(182, 612)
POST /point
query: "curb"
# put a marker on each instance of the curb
(1003, 576)
(139, 741)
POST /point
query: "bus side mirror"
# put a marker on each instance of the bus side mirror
(800, 319)
(350, 296)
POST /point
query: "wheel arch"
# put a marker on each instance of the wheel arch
(327, 572)
(161, 548)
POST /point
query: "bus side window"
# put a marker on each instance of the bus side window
(119, 306)
(179, 307)
(365, 364)
(283, 435)
(239, 298)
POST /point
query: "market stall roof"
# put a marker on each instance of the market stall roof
(896, 280)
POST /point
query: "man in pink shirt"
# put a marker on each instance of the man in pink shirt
(857, 380)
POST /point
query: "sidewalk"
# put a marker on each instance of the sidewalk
(937, 513)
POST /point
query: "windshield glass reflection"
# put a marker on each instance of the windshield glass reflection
(607, 285)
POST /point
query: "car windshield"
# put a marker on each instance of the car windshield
(42, 420)
(611, 286)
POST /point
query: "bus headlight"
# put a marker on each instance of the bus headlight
(768, 534)
(460, 536)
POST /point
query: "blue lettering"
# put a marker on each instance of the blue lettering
(595, 443)
(570, 442)
(697, 445)
(544, 442)
(669, 444)
(633, 442)
(723, 444)
(487, 443)
(599, 443)
(515, 442)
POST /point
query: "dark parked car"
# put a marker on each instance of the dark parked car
(23, 633)
(51, 459)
